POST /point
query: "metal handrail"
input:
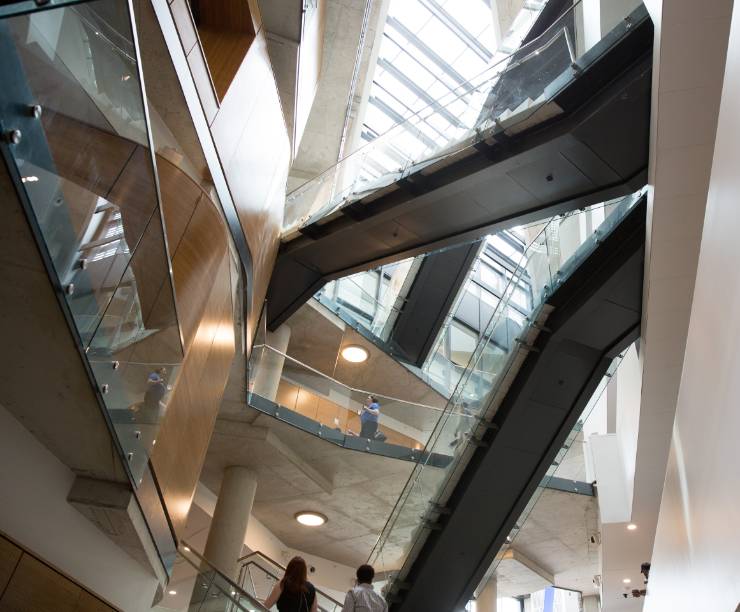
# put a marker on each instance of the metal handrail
(341, 384)
(245, 560)
(236, 591)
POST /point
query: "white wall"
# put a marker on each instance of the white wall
(34, 512)
(696, 557)
(629, 387)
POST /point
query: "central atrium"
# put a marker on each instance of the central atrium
(369, 305)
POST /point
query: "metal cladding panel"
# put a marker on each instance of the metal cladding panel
(541, 407)
(429, 300)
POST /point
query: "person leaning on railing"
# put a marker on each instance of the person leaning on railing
(369, 417)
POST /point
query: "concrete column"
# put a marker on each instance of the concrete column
(230, 518)
(591, 604)
(270, 365)
(487, 599)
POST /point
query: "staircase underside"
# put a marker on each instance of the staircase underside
(595, 315)
(593, 147)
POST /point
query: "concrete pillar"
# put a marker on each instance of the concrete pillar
(230, 518)
(487, 599)
(591, 603)
(270, 365)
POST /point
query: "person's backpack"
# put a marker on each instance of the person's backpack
(380, 436)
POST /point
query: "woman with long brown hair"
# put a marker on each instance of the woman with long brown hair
(294, 593)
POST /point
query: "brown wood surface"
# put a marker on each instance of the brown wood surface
(225, 51)
(29, 585)
(250, 135)
(225, 14)
(35, 587)
(10, 554)
(186, 431)
(252, 142)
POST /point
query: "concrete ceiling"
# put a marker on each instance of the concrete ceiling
(556, 536)
(298, 471)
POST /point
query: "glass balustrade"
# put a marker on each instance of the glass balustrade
(196, 586)
(510, 96)
(258, 575)
(82, 160)
(315, 402)
(558, 248)
(363, 300)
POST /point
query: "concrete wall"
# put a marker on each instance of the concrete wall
(696, 557)
(34, 512)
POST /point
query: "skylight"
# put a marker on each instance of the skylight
(430, 50)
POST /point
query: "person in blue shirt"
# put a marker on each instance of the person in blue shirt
(369, 417)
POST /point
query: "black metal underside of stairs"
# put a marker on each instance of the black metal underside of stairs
(595, 150)
(596, 314)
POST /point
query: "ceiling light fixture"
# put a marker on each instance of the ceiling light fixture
(355, 353)
(172, 592)
(631, 527)
(310, 519)
(626, 580)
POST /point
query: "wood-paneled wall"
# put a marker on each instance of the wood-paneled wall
(201, 267)
(250, 136)
(28, 584)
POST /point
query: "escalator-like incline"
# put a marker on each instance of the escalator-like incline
(590, 146)
(595, 314)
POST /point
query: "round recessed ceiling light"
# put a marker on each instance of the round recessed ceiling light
(626, 580)
(354, 353)
(310, 519)
(172, 592)
(631, 526)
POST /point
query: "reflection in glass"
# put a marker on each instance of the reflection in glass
(86, 169)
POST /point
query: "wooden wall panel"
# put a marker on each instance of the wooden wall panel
(35, 586)
(180, 195)
(250, 135)
(10, 555)
(29, 585)
(186, 431)
(198, 255)
(88, 156)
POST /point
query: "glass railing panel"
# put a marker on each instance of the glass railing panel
(545, 264)
(511, 95)
(359, 301)
(332, 408)
(86, 173)
(196, 586)
(136, 352)
(91, 185)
